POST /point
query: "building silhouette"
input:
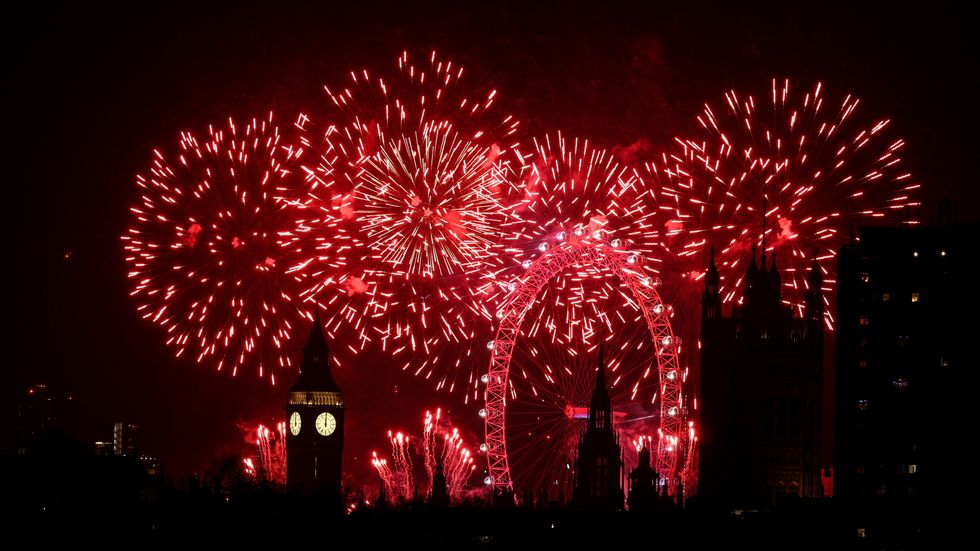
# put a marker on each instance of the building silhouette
(599, 461)
(906, 319)
(761, 386)
(439, 496)
(315, 417)
(643, 482)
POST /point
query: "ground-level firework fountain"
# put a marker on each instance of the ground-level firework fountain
(441, 448)
(266, 460)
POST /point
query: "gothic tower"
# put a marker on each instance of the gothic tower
(599, 465)
(315, 414)
(711, 297)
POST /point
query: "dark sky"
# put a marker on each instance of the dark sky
(93, 90)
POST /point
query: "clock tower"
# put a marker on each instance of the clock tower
(315, 417)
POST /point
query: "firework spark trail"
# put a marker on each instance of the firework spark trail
(270, 451)
(202, 250)
(411, 167)
(806, 165)
(457, 464)
(440, 443)
(457, 460)
(403, 477)
(384, 472)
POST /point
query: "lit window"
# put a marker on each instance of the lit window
(885, 297)
(864, 320)
(911, 469)
(861, 532)
(915, 297)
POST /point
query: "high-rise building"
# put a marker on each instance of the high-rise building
(315, 414)
(905, 325)
(760, 391)
(599, 462)
(124, 439)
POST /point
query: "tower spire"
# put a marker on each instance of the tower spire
(600, 409)
(765, 207)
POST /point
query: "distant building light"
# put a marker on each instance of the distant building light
(863, 320)
(912, 469)
(861, 533)
(862, 364)
(915, 297)
(865, 277)
(942, 253)
(862, 405)
(901, 382)
(916, 254)
(885, 297)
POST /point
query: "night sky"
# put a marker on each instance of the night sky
(94, 91)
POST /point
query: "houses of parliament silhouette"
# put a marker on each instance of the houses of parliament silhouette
(761, 377)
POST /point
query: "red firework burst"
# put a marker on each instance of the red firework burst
(787, 173)
(570, 191)
(412, 172)
(202, 252)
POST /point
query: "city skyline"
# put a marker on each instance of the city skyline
(99, 93)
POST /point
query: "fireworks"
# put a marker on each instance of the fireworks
(412, 171)
(412, 219)
(569, 191)
(268, 462)
(399, 478)
(442, 447)
(202, 252)
(787, 173)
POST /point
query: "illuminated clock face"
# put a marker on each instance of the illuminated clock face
(295, 423)
(326, 424)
